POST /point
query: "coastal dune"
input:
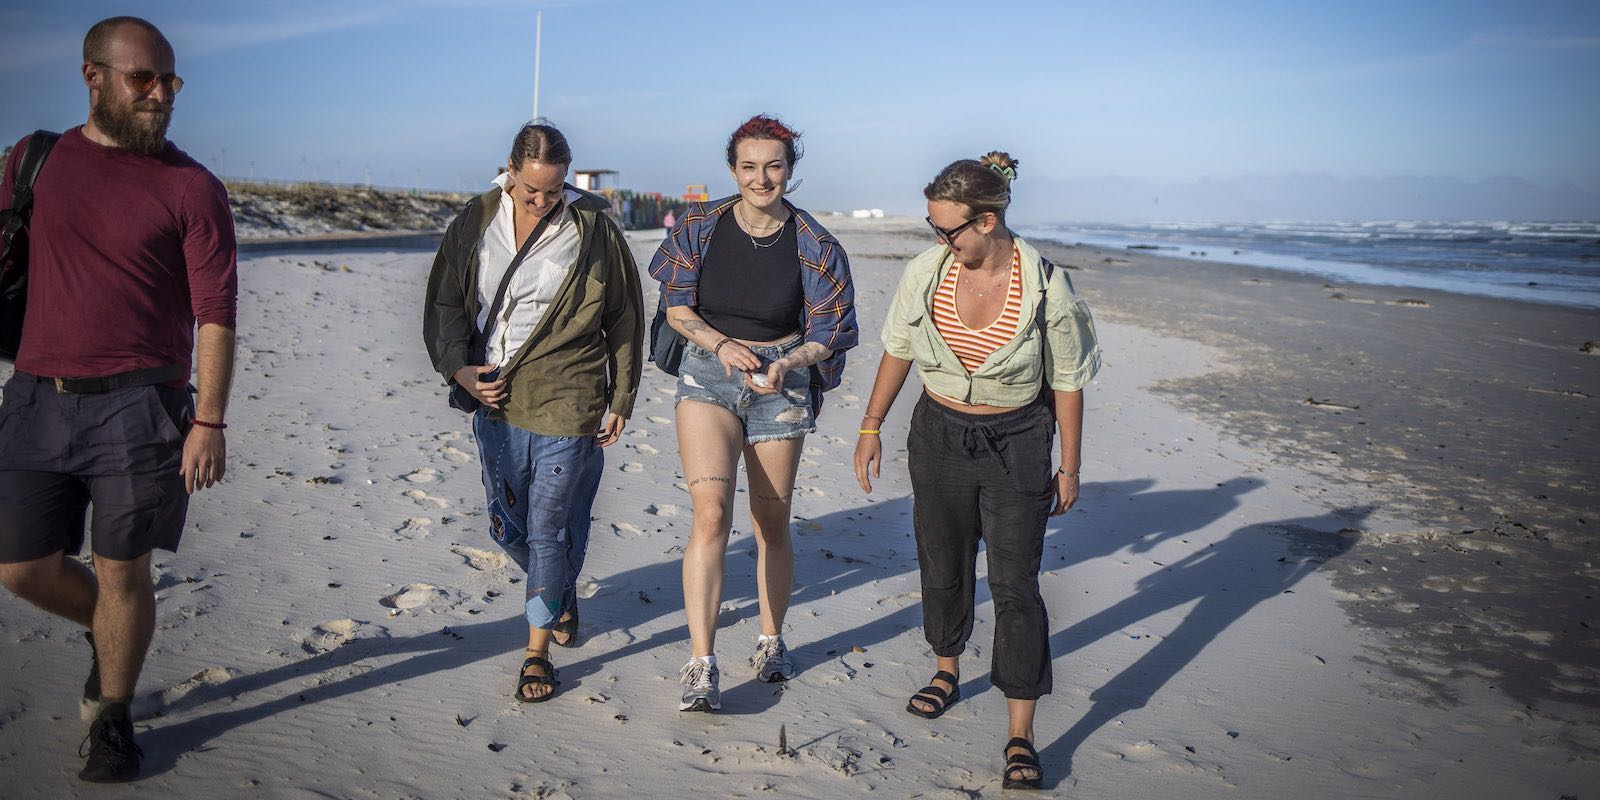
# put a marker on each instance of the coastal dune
(1230, 616)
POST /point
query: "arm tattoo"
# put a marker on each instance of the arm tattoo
(718, 478)
(804, 356)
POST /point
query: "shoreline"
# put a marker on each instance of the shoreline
(1493, 275)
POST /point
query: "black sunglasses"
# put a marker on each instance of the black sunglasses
(144, 81)
(949, 236)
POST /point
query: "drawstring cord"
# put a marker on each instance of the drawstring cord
(977, 437)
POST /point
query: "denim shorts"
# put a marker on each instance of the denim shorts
(766, 417)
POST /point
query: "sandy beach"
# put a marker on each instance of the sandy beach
(1386, 592)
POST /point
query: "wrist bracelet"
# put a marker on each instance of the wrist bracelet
(216, 426)
(865, 431)
(877, 417)
(1063, 471)
(717, 351)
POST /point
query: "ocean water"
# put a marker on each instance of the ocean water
(1548, 262)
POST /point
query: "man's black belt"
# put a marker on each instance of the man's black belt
(140, 377)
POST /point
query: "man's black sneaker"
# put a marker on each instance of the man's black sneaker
(113, 757)
(89, 706)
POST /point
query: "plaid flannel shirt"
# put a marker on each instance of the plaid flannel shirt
(825, 278)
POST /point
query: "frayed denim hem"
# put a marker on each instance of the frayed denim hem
(778, 437)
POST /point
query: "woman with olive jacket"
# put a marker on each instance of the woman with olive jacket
(1003, 348)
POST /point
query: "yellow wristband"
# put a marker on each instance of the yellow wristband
(866, 431)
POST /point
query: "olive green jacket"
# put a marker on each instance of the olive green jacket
(587, 351)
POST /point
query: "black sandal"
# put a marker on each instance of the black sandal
(936, 697)
(568, 628)
(547, 679)
(1021, 762)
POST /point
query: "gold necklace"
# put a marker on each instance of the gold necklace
(971, 285)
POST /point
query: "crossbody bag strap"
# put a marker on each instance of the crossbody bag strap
(522, 253)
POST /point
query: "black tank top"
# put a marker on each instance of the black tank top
(751, 292)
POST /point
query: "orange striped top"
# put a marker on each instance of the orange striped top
(971, 346)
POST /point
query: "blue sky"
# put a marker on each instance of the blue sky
(415, 91)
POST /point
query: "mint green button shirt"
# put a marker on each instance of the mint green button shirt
(1066, 356)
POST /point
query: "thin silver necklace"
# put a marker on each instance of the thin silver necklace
(753, 243)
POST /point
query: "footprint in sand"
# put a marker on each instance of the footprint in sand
(416, 596)
(660, 420)
(1440, 583)
(456, 455)
(646, 449)
(663, 510)
(481, 559)
(426, 500)
(626, 529)
(900, 600)
(640, 433)
(588, 587)
(414, 527)
(449, 436)
(336, 633)
(173, 698)
(422, 475)
(632, 466)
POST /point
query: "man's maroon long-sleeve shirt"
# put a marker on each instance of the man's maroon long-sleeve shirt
(126, 254)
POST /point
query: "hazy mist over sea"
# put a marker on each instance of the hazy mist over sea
(1300, 196)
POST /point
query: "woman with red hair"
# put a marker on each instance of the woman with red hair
(762, 294)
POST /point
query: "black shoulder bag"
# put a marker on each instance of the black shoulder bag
(14, 243)
(460, 398)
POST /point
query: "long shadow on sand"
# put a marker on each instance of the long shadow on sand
(1140, 520)
(874, 543)
(640, 596)
(1229, 578)
(1253, 564)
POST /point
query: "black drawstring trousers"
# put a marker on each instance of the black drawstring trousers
(985, 477)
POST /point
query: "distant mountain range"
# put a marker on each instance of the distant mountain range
(1301, 196)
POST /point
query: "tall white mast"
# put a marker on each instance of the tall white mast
(538, 42)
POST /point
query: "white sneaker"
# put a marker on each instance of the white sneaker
(700, 691)
(771, 661)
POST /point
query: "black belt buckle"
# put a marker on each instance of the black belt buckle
(79, 385)
(138, 377)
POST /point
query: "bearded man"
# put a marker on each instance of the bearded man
(131, 245)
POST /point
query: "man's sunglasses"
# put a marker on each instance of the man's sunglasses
(948, 236)
(144, 81)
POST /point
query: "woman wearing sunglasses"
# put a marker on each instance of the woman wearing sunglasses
(762, 293)
(1003, 348)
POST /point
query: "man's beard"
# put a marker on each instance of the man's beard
(139, 126)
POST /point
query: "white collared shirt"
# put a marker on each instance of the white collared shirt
(534, 286)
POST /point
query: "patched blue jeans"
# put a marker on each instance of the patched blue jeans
(540, 490)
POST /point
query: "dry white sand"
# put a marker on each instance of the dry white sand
(339, 624)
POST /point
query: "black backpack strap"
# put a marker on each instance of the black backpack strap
(28, 168)
(1049, 272)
